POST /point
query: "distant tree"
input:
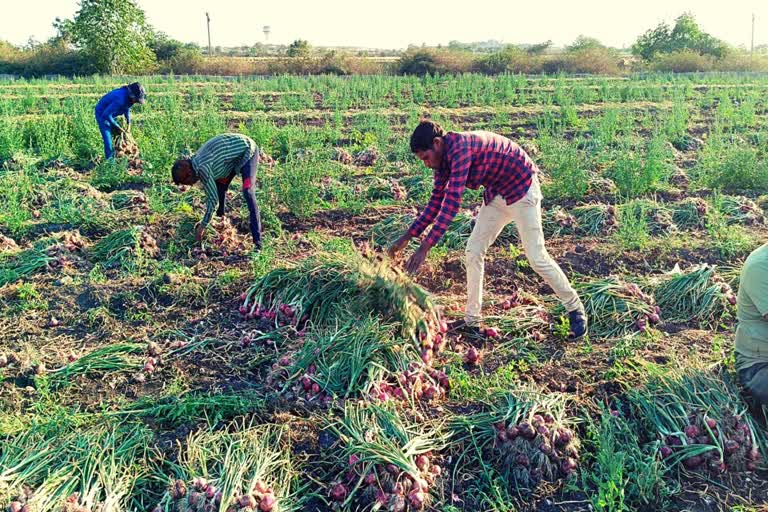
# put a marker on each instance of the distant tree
(419, 62)
(539, 48)
(583, 43)
(166, 48)
(299, 48)
(112, 34)
(685, 35)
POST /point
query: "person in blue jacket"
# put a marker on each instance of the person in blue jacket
(113, 104)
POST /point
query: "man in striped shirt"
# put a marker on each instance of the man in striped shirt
(215, 165)
(511, 194)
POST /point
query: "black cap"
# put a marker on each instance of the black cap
(137, 92)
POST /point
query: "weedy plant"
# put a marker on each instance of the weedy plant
(128, 249)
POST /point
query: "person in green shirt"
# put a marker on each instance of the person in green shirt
(752, 329)
(215, 164)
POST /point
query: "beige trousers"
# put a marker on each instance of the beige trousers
(526, 214)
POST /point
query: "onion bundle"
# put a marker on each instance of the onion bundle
(367, 158)
(656, 215)
(246, 469)
(126, 248)
(360, 358)
(699, 420)
(600, 185)
(525, 436)
(389, 462)
(523, 320)
(699, 295)
(328, 287)
(342, 156)
(741, 210)
(690, 213)
(126, 147)
(616, 308)
(557, 221)
(594, 219)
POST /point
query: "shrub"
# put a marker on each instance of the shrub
(683, 61)
(418, 63)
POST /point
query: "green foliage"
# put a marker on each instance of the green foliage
(113, 34)
(624, 475)
(419, 63)
(636, 173)
(686, 35)
(299, 48)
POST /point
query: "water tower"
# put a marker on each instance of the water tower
(267, 29)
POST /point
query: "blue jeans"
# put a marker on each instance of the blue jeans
(106, 135)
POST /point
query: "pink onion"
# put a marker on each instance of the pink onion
(711, 423)
(339, 492)
(691, 430)
(666, 451)
(267, 502)
(491, 332)
(370, 479)
(15, 506)
(692, 462)
(417, 499)
(422, 462)
(472, 356)
(247, 501)
(730, 447)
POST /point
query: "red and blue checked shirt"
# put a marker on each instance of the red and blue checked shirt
(472, 159)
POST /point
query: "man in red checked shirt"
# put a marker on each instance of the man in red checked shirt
(511, 194)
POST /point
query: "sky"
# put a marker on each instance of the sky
(398, 23)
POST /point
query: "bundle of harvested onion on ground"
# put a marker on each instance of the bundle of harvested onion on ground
(389, 462)
(53, 466)
(740, 210)
(594, 219)
(698, 419)
(327, 288)
(616, 308)
(690, 213)
(524, 435)
(699, 295)
(521, 320)
(367, 157)
(360, 358)
(127, 248)
(656, 215)
(237, 468)
(558, 221)
(49, 254)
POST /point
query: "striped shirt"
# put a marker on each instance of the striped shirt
(218, 158)
(472, 159)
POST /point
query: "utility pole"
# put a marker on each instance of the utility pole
(208, 18)
(752, 46)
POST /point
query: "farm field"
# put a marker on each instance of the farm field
(140, 370)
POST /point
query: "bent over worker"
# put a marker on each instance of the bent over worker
(511, 194)
(215, 165)
(117, 103)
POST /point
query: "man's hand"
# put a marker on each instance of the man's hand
(199, 232)
(399, 245)
(417, 259)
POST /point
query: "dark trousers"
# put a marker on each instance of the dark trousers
(248, 173)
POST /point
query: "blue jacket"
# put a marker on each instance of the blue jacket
(114, 103)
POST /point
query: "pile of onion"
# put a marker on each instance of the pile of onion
(418, 381)
(649, 318)
(387, 487)
(537, 449)
(731, 439)
(202, 495)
